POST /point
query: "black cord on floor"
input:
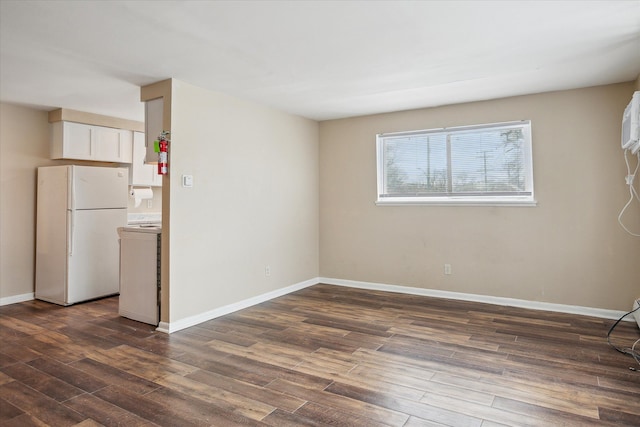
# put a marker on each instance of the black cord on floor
(630, 351)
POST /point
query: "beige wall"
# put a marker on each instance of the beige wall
(265, 211)
(24, 145)
(568, 250)
(254, 201)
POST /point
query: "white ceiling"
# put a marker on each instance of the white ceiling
(318, 59)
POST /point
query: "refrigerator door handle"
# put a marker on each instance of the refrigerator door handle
(70, 227)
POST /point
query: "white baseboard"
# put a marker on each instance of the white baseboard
(164, 327)
(511, 302)
(17, 298)
(170, 327)
(167, 327)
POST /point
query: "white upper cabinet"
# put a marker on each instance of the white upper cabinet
(70, 140)
(141, 173)
(113, 145)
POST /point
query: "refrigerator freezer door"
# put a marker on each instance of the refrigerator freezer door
(99, 188)
(94, 263)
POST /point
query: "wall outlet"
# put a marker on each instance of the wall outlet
(149, 203)
(447, 269)
(267, 271)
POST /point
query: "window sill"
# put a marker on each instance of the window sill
(457, 202)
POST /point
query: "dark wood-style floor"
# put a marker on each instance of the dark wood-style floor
(325, 355)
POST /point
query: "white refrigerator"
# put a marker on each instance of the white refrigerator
(79, 210)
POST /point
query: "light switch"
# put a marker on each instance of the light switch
(187, 181)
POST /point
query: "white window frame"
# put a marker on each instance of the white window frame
(488, 199)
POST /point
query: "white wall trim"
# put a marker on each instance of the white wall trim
(17, 298)
(511, 302)
(170, 327)
(221, 311)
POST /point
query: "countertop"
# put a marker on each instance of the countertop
(142, 228)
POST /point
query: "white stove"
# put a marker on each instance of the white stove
(140, 268)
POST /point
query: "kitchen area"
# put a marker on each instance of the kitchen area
(99, 213)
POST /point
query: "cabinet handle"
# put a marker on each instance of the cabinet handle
(92, 136)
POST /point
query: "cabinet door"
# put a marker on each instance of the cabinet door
(141, 173)
(112, 145)
(77, 142)
(157, 179)
(126, 146)
(138, 176)
(139, 276)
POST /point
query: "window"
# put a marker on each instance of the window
(484, 164)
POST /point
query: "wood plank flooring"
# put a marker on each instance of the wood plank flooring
(325, 355)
